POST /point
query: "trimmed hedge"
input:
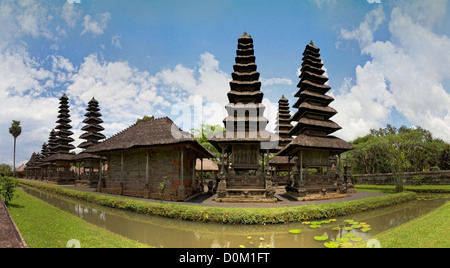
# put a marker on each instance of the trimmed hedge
(232, 215)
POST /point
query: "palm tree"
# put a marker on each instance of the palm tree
(15, 130)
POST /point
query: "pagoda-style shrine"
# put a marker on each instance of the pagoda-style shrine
(246, 178)
(282, 165)
(314, 177)
(90, 163)
(60, 156)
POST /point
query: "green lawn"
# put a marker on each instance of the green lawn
(431, 230)
(45, 226)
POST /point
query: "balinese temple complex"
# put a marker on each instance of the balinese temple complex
(313, 145)
(246, 141)
(156, 159)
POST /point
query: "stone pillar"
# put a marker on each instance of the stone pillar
(181, 188)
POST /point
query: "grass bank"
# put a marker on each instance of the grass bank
(232, 215)
(412, 188)
(427, 231)
(45, 226)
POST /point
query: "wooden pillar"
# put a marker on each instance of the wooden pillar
(100, 173)
(301, 166)
(267, 162)
(121, 163)
(146, 167)
(193, 173)
(201, 175)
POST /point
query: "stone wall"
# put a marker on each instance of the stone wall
(410, 178)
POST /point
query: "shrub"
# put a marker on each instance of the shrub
(7, 188)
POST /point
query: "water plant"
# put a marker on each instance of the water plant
(331, 244)
(321, 237)
(295, 231)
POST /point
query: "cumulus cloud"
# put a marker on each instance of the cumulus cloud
(405, 73)
(96, 27)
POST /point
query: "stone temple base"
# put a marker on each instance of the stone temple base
(315, 193)
(312, 197)
(247, 195)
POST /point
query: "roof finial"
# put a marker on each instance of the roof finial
(311, 43)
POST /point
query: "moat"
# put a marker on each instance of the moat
(170, 233)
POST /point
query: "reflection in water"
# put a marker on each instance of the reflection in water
(170, 233)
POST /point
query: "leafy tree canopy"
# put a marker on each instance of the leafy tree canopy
(394, 150)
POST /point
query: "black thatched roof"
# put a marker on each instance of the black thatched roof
(316, 142)
(147, 133)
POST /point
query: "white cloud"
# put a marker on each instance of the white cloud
(96, 27)
(70, 14)
(276, 81)
(405, 72)
(321, 3)
(115, 41)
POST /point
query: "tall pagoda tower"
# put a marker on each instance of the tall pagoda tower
(284, 126)
(92, 164)
(60, 157)
(281, 165)
(63, 138)
(313, 144)
(245, 138)
(92, 127)
(51, 145)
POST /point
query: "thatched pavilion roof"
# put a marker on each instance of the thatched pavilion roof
(147, 133)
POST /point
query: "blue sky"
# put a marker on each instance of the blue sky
(387, 61)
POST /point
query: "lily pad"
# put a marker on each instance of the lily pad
(249, 237)
(356, 239)
(321, 237)
(362, 223)
(294, 231)
(347, 228)
(316, 223)
(346, 245)
(306, 222)
(315, 226)
(331, 244)
(325, 221)
(356, 226)
(333, 220)
(348, 221)
(365, 225)
(349, 235)
(241, 246)
(336, 228)
(366, 229)
(342, 239)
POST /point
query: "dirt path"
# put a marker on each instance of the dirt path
(9, 234)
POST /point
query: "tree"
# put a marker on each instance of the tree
(208, 131)
(395, 150)
(5, 170)
(444, 159)
(15, 130)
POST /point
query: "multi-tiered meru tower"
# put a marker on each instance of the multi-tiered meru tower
(245, 141)
(313, 146)
(92, 166)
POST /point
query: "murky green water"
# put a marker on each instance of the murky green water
(170, 233)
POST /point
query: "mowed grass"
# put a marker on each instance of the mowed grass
(45, 226)
(431, 230)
